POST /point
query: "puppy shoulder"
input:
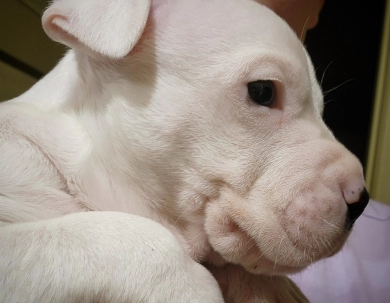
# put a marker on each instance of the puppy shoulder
(33, 185)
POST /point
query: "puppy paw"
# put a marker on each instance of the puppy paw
(240, 286)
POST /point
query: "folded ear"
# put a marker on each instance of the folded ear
(109, 27)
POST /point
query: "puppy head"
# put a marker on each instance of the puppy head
(229, 128)
(275, 184)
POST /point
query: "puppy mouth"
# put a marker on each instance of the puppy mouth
(267, 242)
(234, 245)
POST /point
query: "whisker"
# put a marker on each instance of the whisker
(317, 68)
(247, 242)
(338, 86)
(276, 261)
(328, 101)
(318, 244)
(279, 252)
(303, 29)
(281, 240)
(323, 74)
(331, 224)
(178, 218)
(260, 257)
(250, 247)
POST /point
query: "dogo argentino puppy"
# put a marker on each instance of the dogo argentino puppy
(175, 154)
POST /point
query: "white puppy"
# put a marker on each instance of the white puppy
(203, 116)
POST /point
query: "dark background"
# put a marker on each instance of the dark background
(346, 43)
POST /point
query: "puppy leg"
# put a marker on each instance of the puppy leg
(99, 257)
(239, 286)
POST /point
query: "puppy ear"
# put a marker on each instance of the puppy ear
(109, 27)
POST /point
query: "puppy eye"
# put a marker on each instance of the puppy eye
(262, 92)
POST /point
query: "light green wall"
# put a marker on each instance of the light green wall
(378, 168)
(13, 82)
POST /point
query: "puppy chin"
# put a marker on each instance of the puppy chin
(232, 244)
(256, 240)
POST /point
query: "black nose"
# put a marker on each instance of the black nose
(356, 209)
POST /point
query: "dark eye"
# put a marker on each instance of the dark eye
(262, 92)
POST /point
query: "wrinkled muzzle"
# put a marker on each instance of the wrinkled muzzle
(300, 210)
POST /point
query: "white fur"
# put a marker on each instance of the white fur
(148, 117)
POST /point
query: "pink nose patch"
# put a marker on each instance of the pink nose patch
(352, 191)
